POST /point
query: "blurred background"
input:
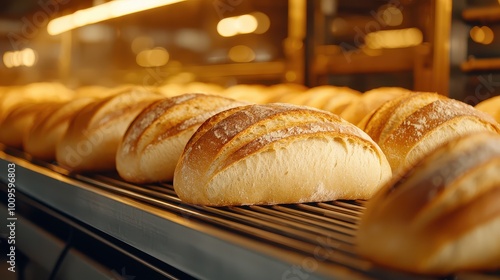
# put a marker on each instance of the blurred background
(445, 46)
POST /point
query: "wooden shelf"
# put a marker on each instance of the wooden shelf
(485, 14)
(330, 60)
(485, 64)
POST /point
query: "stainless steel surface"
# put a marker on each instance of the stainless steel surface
(302, 241)
(44, 249)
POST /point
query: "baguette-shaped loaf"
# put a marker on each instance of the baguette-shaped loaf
(91, 140)
(249, 93)
(370, 101)
(17, 123)
(408, 127)
(278, 153)
(48, 128)
(490, 106)
(329, 98)
(154, 141)
(32, 93)
(443, 215)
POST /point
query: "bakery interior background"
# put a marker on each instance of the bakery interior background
(451, 47)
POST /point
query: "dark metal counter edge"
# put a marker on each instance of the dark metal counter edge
(183, 246)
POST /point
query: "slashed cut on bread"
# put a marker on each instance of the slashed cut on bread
(442, 215)
(278, 153)
(408, 127)
(91, 140)
(48, 128)
(154, 141)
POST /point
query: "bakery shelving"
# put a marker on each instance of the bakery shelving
(482, 14)
(483, 64)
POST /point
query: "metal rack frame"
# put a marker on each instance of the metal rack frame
(300, 241)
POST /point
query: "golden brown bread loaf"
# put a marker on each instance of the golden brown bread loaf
(154, 141)
(329, 98)
(174, 89)
(19, 120)
(408, 127)
(277, 92)
(370, 101)
(249, 93)
(278, 153)
(490, 106)
(48, 128)
(442, 215)
(32, 93)
(93, 135)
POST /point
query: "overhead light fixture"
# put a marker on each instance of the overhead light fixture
(109, 10)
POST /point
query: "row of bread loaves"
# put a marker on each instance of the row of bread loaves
(142, 135)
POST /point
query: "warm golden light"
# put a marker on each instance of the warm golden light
(152, 58)
(388, 39)
(109, 10)
(7, 60)
(141, 43)
(263, 22)
(227, 27)
(250, 23)
(241, 53)
(26, 57)
(482, 35)
(246, 24)
(391, 15)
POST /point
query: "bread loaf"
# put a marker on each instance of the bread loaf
(19, 120)
(278, 153)
(329, 98)
(32, 93)
(490, 106)
(370, 101)
(442, 215)
(249, 93)
(151, 147)
(279, 91)
(47, 130)
(91, 140)
(410, 126)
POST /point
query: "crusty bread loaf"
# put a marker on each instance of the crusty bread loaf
(19, 120)
(93, 91)
(278, 92)
(278, 153)
(408, 127)
(490, 106)
(93, 135)
(48, 128)
(154, 141)
(174, 89)
(32, 93)
(249, 93)
(370, 101)
(443, 215)
(327, 97)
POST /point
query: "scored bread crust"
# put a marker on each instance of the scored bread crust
(91, 140)
(369, 101)
(409, 127)
(47, 130)
(442, 215)
(18, 122)
(490, 106)
(278, 153)
(153, 143)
